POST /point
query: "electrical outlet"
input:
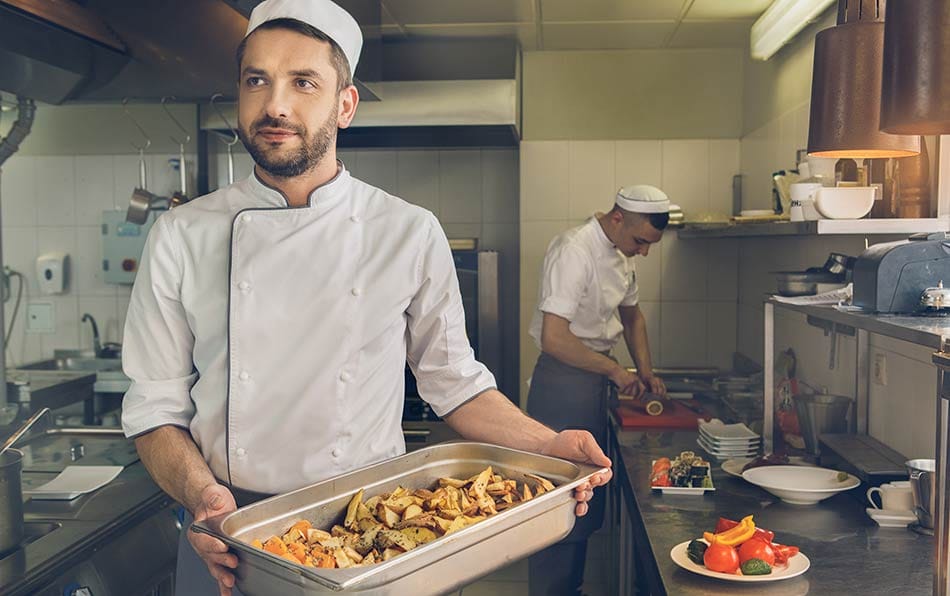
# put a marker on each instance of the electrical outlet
(40, 317)
(879, 369)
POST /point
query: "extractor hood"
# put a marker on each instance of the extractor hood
(55, 50)
(457, 92)
(433, 93)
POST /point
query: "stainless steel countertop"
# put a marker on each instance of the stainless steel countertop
(849, 553)
(925, 331)
(85, 524)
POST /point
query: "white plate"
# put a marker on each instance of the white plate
(716, 429)
(730, 443)
(797, 565)
(799, 485)
(734, 466)
(726, 453)
(891, 518)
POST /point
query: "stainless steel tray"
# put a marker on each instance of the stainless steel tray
(434, 568)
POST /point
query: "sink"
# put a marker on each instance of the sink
(75, 363)
(109, 375)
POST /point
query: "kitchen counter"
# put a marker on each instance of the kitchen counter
(63, 534)
(849, 553)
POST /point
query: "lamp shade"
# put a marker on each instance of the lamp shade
(915, 91)
(846, 88)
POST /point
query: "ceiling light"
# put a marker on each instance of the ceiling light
(781, 22)
(846, 88)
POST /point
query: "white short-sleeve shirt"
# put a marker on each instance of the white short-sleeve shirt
(585, 279)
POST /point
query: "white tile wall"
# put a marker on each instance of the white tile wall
(55, 203)
(683, 284)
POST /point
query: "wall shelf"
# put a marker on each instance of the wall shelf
(823, 227)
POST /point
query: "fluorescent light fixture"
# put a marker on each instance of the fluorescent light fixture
(781, 22)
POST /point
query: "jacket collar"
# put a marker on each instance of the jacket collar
(322, 196)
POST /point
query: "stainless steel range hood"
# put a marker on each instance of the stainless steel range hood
(433, 93)
(413, 92)
(54, 51)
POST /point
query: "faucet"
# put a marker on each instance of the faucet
(96, 344)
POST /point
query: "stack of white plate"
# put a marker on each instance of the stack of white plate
(726, 441)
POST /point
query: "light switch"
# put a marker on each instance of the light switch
(40, 317)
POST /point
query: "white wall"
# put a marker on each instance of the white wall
(54, 203)
(687, 287)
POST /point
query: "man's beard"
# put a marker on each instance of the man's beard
(301, 160)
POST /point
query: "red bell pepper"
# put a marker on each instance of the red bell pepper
(724, 524)
(783, 553)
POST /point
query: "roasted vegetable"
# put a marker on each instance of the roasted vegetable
(695, 551)
(733, 536)
(387, 525)
(755, 567)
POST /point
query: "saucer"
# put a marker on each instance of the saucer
(892, 518)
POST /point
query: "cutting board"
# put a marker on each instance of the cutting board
(674, 417)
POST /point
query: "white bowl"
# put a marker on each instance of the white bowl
(799, 485)
(845, 202)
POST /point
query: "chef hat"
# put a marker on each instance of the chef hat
(642, 198)
(324, 15)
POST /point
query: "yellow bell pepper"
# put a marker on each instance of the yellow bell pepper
(733, 536)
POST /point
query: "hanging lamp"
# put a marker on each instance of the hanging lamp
(846, 88)
(915, 90)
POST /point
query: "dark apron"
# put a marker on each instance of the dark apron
(565, 397)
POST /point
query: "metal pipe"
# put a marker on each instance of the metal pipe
(20, 129)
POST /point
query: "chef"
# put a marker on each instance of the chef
(587, 300)
(271, 320)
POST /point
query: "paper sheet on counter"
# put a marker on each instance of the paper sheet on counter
(75, 481)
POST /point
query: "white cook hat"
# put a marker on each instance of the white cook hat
(324, 15)
(643, 198)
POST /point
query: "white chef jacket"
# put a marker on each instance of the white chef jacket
(278, 336)
(584, 279)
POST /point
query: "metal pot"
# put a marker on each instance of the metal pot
(839, 264)
(804, 283)
(924, 484)
(11, 500)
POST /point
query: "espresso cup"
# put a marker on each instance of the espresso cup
(897, 496)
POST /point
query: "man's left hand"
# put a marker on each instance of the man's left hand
(579, 445)
(654, 384)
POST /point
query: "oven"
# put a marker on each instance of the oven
(477, 272)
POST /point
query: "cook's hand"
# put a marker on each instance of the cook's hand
(654, 384)
(579, 445)
(627, 382)
(215, 500)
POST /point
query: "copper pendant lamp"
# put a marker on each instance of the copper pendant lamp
(915, 93)
(846, 88)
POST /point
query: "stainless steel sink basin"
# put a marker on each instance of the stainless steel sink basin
(109, 375)
(75, 363)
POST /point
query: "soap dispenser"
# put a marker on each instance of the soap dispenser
(52, 269)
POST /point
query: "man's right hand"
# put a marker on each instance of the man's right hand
(627, 382)
(215, 500)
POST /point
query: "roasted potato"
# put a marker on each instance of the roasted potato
(389, 524)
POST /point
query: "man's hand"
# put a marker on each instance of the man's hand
(627, 382)
(654, 384)
(579, 445)
(215, 500)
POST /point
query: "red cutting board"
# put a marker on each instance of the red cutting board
(674, 416)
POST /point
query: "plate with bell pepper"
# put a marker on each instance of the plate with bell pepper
(742, 552)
